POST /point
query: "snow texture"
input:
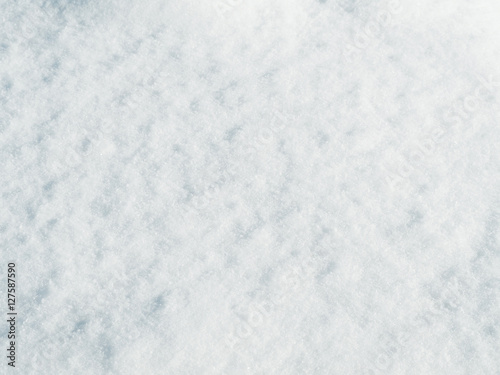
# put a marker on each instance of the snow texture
(251, 187)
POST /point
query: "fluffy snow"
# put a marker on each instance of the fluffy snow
(251, 187)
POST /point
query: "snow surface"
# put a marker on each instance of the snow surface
(252, 187)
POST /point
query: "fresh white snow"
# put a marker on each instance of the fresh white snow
(251, 187)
